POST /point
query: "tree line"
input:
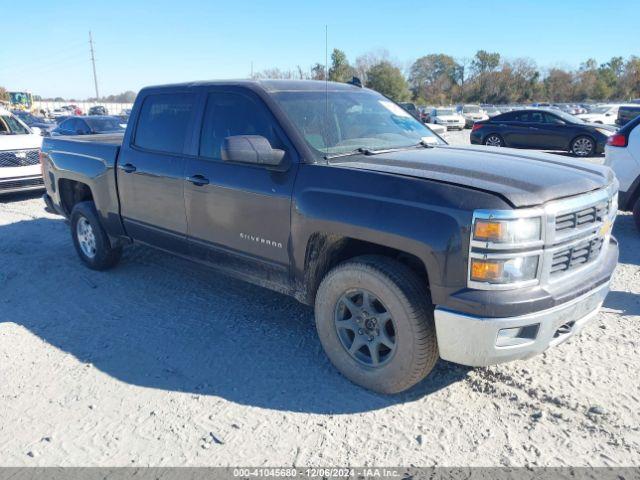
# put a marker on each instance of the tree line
(486, 77)
(124, 97)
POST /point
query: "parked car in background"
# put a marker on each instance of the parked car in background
(19, 146)
(492, 111)
(472, 114)
(98, 110)
(626, 113)
(409, 249)
(446, 117)
(542, 130)
(622, 154)
(603, 114)
(91, 125)
(44, 127)
(62, 112)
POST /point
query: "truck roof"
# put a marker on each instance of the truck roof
(267, 85)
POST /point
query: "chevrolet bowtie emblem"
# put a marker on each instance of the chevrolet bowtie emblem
(606, 227)
(21, 155)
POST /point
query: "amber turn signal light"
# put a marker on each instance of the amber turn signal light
(485, 270)
(487, 230)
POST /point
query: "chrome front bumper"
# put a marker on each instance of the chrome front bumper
(479, 342)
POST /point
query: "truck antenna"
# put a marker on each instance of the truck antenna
(93, 63)
(326, 89)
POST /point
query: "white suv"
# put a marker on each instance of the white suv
(622, 154)
(19, 148)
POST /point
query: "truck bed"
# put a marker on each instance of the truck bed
(99, 150)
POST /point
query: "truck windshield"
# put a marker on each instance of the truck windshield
(9, 125)
(338, 122)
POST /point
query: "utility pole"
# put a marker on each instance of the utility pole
(93, 62)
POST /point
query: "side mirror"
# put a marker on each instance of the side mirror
(252, 149)
(608, 114)
(36, 130)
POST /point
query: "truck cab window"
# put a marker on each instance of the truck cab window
(163, 122)
(229, 114)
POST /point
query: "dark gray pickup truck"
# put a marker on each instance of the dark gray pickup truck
(408, 248)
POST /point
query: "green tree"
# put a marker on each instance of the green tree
(4, 95)
(340, 70)
(558, 85)
(485, 62)
(630, 81)
(434, 77)
(388, 80)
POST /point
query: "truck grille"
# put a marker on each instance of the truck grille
(18, 158)
(582, 218)
(576, 256)
(578, 231)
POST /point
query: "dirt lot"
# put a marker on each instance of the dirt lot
(161, 362)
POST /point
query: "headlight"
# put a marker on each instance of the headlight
(605, 132)
(511, 231)
(506, 270)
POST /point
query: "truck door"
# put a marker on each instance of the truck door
(151, 171)
(239, 215)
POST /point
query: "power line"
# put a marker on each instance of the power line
(93, 62)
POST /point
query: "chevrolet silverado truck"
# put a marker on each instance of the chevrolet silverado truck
(408, 248)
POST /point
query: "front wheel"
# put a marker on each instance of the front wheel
(582, 147)
(494, 140)
(89, 238)
(375, 321)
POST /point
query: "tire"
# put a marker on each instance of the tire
(89, 238)
(582, 146)
(401, 295)
(493, 140)
(636, 213)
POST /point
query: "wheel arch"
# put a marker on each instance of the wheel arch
(73, 192)
(324, 251)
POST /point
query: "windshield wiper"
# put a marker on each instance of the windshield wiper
(357, 151)
(370, 151)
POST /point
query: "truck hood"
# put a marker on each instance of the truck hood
(523, 178)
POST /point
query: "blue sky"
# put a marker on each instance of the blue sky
(45, 43)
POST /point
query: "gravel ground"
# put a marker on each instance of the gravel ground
(161, 362)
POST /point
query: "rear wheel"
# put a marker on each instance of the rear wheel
(583, 146)
(90, 239)
(375, 321)
(494, 140)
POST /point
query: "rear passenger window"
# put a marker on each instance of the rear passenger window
(163, 122)
(505, 117)
(229, 114)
